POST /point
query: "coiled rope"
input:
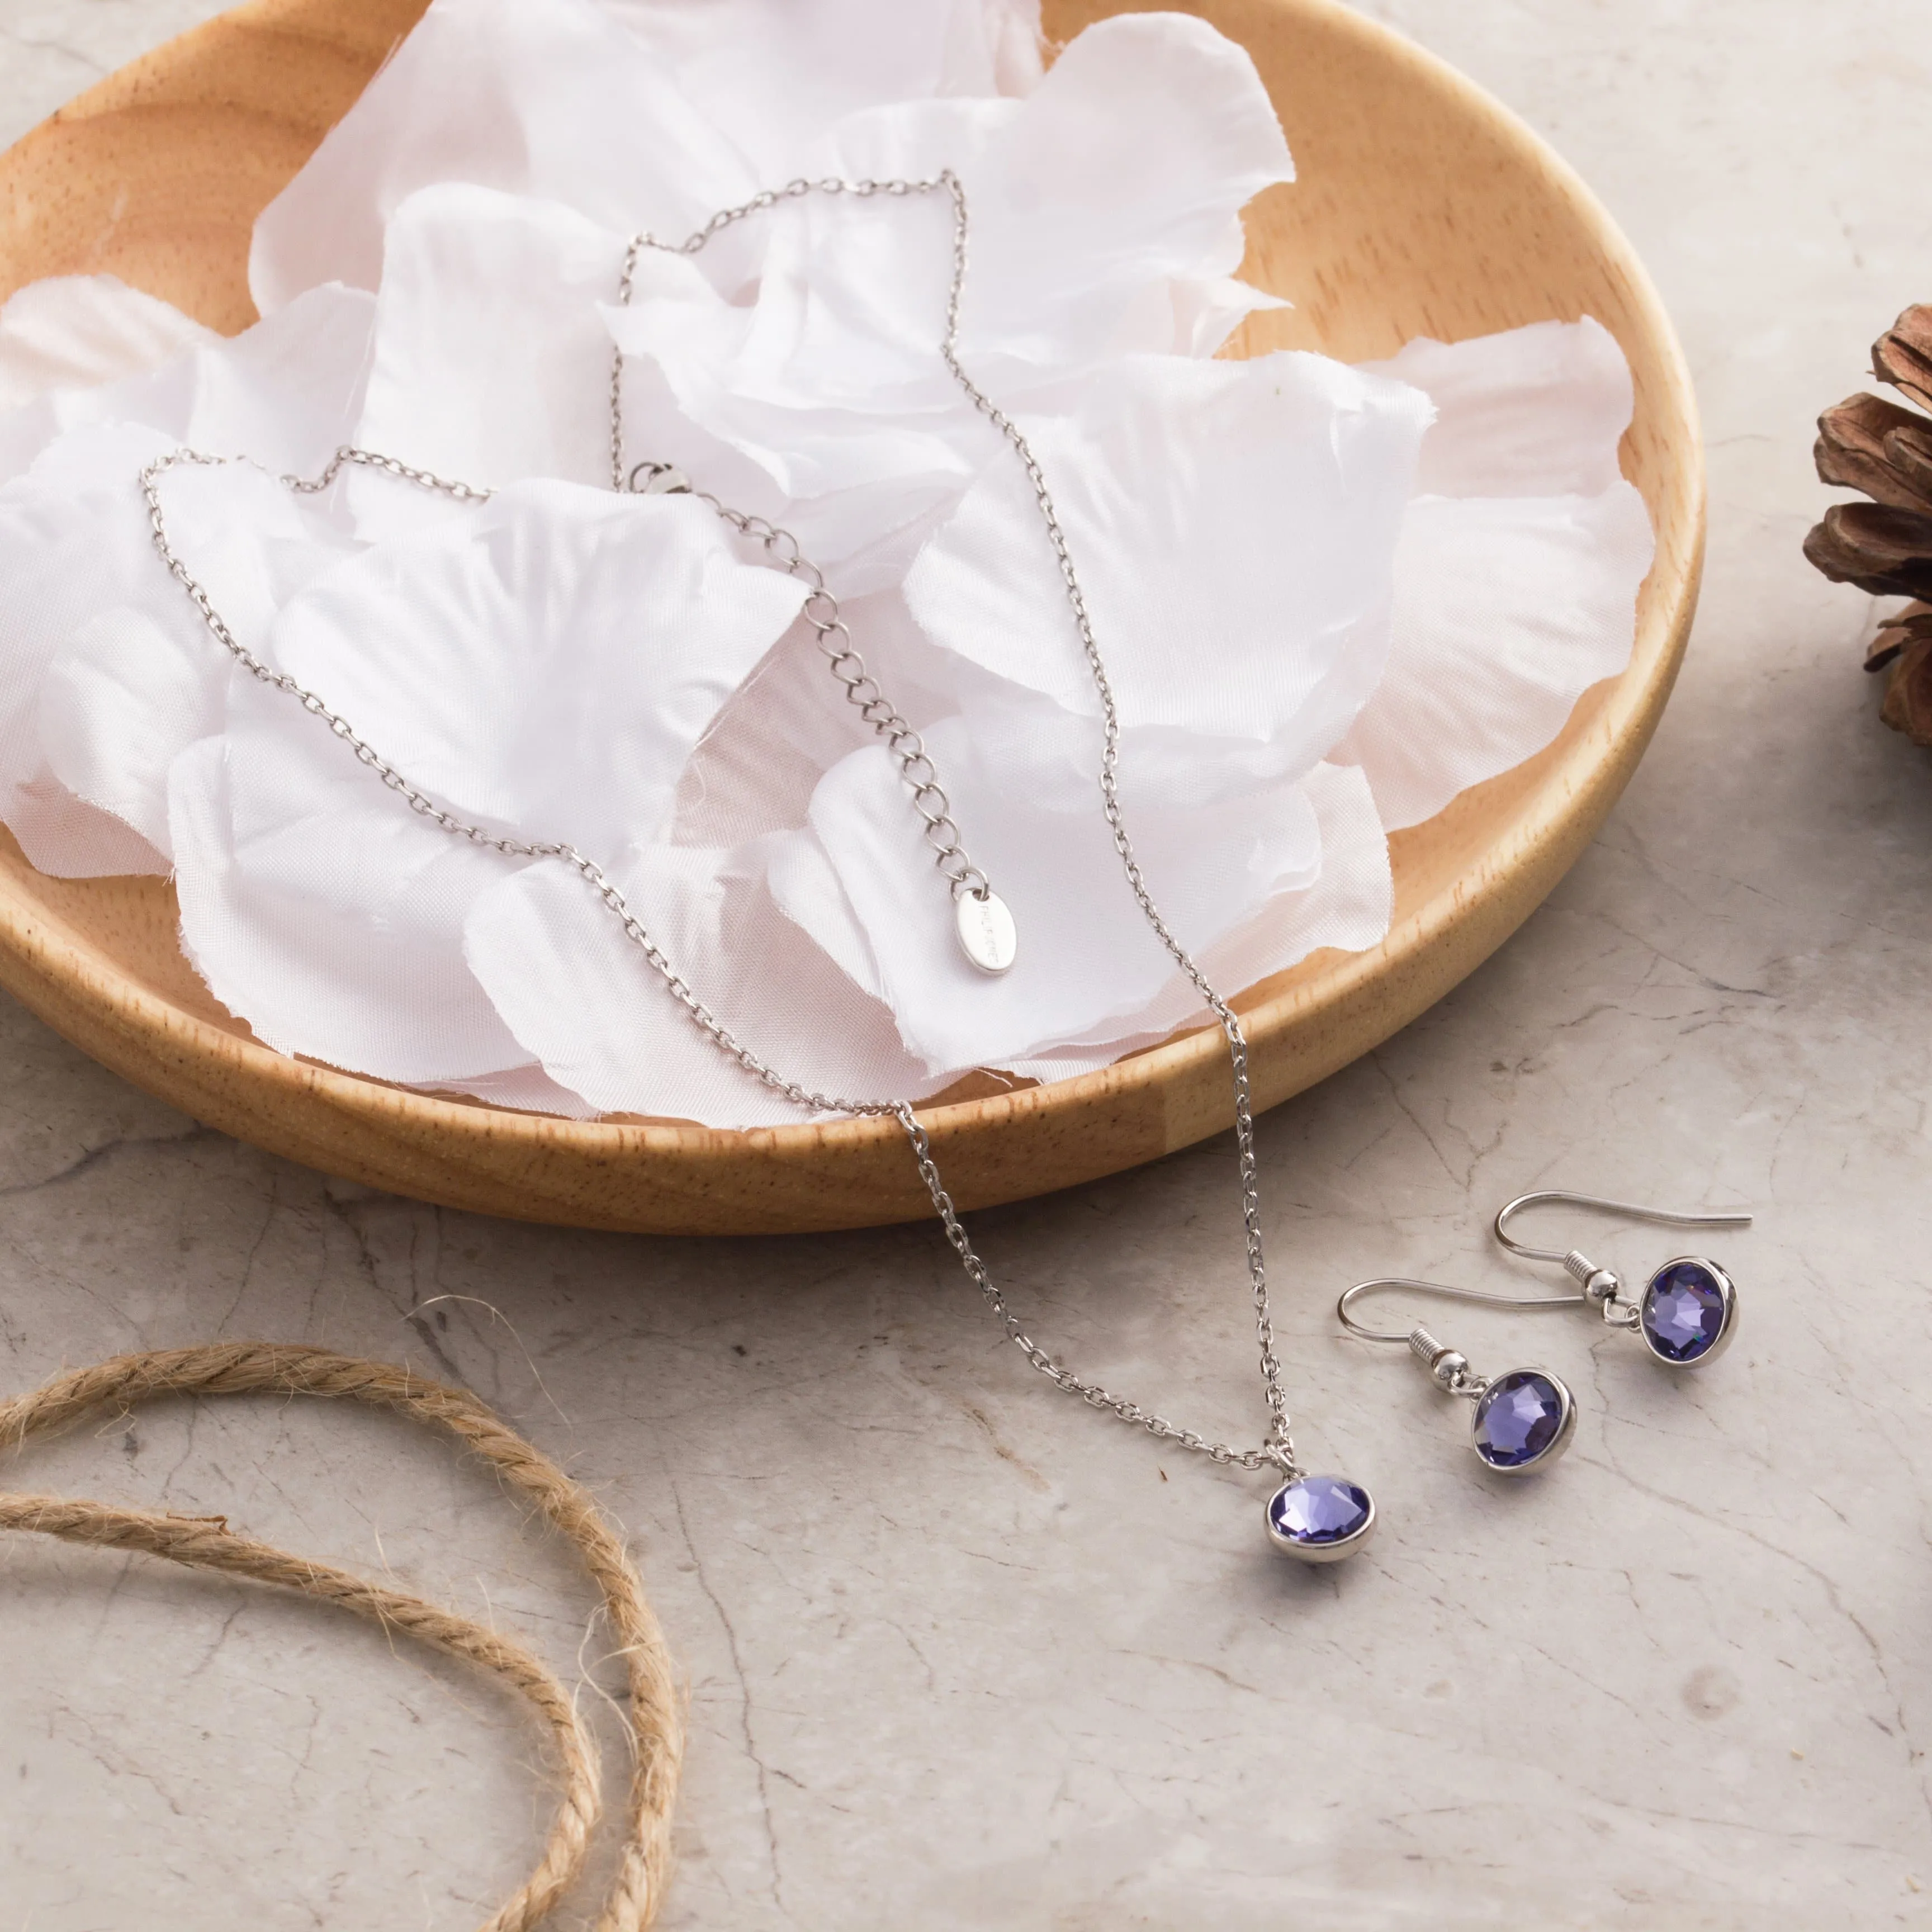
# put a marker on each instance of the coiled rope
(655, 1715)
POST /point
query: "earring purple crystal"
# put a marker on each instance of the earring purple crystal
(1522, 1420)
(1688, 1313)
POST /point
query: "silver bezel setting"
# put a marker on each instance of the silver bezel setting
(1320, 1552)
(1566, 1423)
(1728, 1326)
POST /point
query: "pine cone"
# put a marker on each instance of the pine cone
(1885, 546)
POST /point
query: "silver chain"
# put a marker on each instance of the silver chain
(821, 610)
(419, 801)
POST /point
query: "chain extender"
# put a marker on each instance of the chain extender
(821, 609)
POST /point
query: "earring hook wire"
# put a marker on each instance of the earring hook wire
(1446, 1291)
(1630, 1211)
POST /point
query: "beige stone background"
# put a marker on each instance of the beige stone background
(961, 1655)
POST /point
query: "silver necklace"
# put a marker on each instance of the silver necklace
(1318, 1519)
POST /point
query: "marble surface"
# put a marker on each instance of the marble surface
(961, 1655)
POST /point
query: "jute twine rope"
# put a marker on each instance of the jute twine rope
(656, 1720)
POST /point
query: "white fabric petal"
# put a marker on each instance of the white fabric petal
(524, 1089)
(641, 115)
(1533, 411)
(548, 663)
(1092, 203)
(71, 549)
(1207, 311)
(291, 389)
(755, 769)
(1130, 164)
(444, 335)
(1507, 611)
(136, 685)
(1516, 578)
(1347, 908)
(740, 61)
(1119, 180)
(474, 387)
(1233, 524)
(785, 382)
(555, 100)
(321, 913)
(117, 706)
(1014, 49)
(601, 1021)
(106, 670)
(616, 1034)
(544, 667)
(286, 392)
(1022, 782)
(66, 837)
(79, 332)
(605, 1024)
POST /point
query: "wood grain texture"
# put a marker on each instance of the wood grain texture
(1423, 207)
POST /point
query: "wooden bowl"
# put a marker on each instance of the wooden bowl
(1423, 207)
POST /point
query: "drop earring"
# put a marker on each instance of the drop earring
(1522, 1419)
(1688, 1310)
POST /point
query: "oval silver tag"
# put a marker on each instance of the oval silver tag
(987, 935)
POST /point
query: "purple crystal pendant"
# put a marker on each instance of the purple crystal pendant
(1522, 1422)
(1688, 1313)
(1320, 1519)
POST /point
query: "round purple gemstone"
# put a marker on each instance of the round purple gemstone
(1314, 1512)
(1685, 1312)
(1518, 1417)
